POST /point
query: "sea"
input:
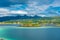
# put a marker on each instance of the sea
(13, 32)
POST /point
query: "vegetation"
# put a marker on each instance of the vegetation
(35, 22)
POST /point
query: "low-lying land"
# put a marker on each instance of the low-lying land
(37, 22)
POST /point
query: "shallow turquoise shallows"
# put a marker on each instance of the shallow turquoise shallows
(15, 33)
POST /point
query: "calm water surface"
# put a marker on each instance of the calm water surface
(15, 33)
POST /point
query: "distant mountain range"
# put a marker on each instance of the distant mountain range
(7, 18)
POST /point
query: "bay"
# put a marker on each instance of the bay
(32, 33)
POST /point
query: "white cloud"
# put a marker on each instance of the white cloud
(55, 3)
(7, 12)
(42, 15)
(16, 5)
(18, 12)
(35, 9)
(32, 9)
(4, 11)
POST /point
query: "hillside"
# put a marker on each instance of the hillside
(26, 21)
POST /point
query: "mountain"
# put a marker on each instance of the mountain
(6, 18)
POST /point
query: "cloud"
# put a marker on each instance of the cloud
(41, 2)
(42, 15)
(32, 7)
(18, 7)
(35, 9)
(18, 12)
(18, 1)
(56, 3)
(4, 11)
(7, 12)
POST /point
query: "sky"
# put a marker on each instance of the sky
(41, 8)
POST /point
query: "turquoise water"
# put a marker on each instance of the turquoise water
(15, 33)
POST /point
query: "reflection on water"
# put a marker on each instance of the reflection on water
(14, 33)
